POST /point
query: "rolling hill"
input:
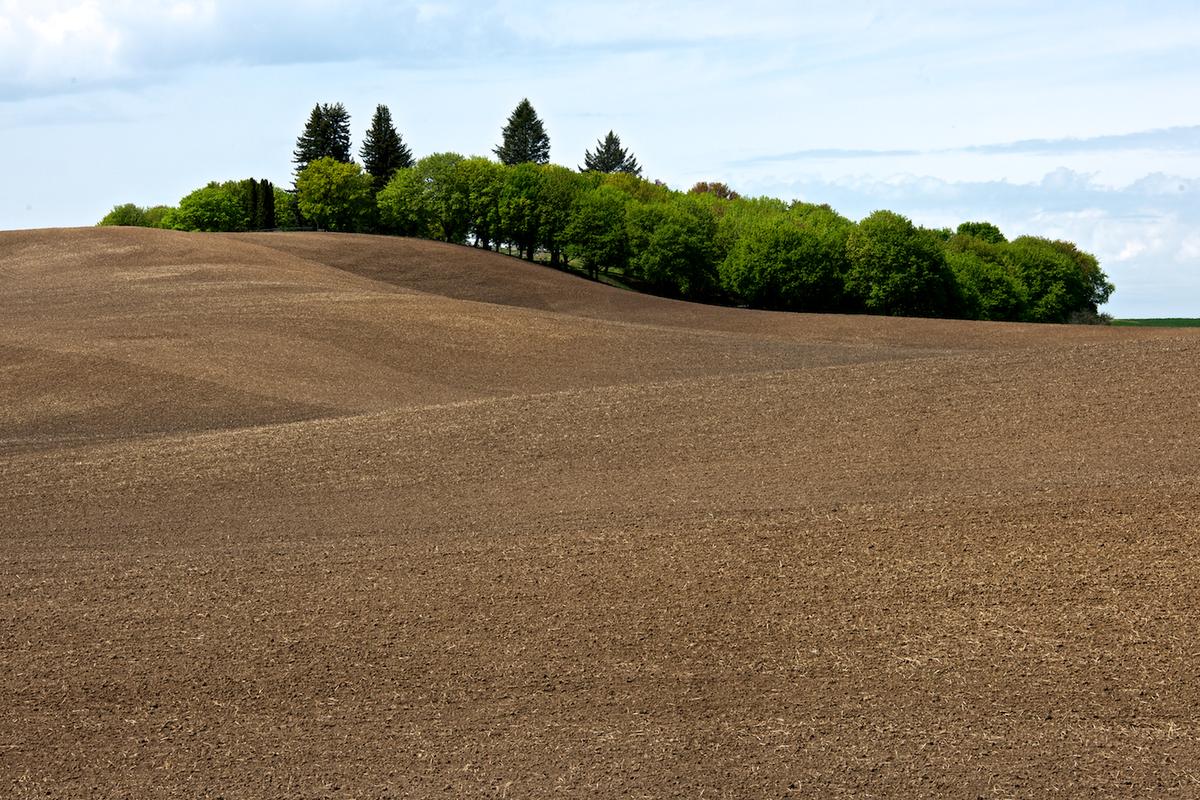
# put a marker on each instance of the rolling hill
(311, 515)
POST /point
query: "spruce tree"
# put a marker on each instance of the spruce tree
(326, 135)
(525, 138)
(610, 157)
(383, 150)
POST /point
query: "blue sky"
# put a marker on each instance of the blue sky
(1079, 120)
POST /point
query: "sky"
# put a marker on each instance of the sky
(1074, 120)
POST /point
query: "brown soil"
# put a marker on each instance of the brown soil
(315, 516)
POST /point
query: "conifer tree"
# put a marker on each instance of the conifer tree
(267, 205)
(326, 135)
(253, 204)
(610, 157)
(383, 150)
(525, 138)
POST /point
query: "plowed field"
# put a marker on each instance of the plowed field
(320, 516)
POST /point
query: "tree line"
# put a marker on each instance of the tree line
(707, 244)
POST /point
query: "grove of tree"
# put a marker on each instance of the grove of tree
(708, 244)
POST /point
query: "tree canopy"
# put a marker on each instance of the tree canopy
(898, 269)
(707, 244)
(610, 156)
(383, 150)
(326, 135)
(524, 138)
(334, 195)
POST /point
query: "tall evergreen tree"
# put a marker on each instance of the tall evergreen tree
(267, 207)
(525, 138)
(383, 150)
(326, 135)
(253, 204)
(610, 157)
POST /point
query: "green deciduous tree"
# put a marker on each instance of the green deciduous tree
(402, 205)
(982, 230)
(673, 246)
(556, 202)
(596, 233)
(156, 216)
(481, 180)
(445, 195)
(610, 156)
(429, 199)
(524, 138)
(126, 214)
(1059, 278)
(793, 261)
(638, 188)
(334, 195)
(383, 150)
(898, 269)
(216, 207)
(326, 135)
(287, 215)
(520, 215)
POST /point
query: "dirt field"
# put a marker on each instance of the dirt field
(309, 516)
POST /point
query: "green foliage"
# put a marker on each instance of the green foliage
(326, 135)
(334, 195)
(216, 207)
(556, 201)
(430, 199)
(156, 216)
(383, 150)
(596, 233)
(126, 214)
(706, 244)
(402, 205)
(736, 218)
(673, 246)
(445, 196)
(481, 180)
(988, 288)
(286, 212)
(524, 138)
(520, 214)
(610, 157)
(898, 269)
(982, 230)
(793, 261)
(1059, 278)
(637, 188)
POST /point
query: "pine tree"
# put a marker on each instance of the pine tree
(610, 157)
(525, 138)
(326, 135)
(383, 150)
